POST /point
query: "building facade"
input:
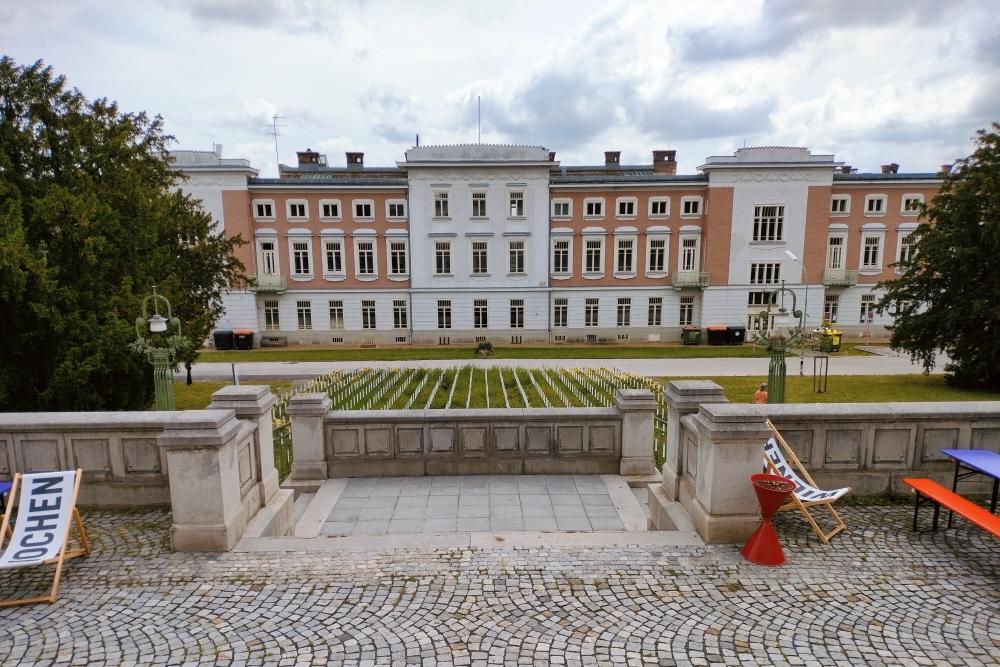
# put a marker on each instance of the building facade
(465, 243)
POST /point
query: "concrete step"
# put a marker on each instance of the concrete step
(301, 503)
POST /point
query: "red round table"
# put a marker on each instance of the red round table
(763, 547)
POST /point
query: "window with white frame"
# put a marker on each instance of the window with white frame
(560, 312)
(267, 258)
(303, 310)
(263, 209)
(593, 208)
(516, 209)
(840, 204)
(875, 205)
(397, 258)
(441, 205)
(562, 208)
(368, 314)
(478, 205)
(333, 251)
(366, 258)
(831, 306)
(626, 207)
(655, 313)
(690, 207)
(480, 314)
(624, 311)
(626, 256)
(517, 313)
(765, 273)
(911, 204)
(480, 255)
(329, 209)
(659, 207)
(364, 209)
(591, 312)
(442, 258)
(395, 209)
(444, 314)
(905, 252)
(689, 254)
(593, 258)
(336, 307)
(301, 254)
(516, 256)
(686, 315)
(871, 252)
(761, 297)
(297, 209)
(867, 309)
(757, 323)
(400, 317)
(835, 252)
(656, 255)
(560, 256)
(768, 222)
(272, 321)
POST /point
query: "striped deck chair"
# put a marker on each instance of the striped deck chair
(46, 512)
(806, 493)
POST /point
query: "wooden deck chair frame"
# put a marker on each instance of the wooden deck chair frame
(64, 553)
(793, 501)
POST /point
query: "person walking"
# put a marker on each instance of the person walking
(760, 396)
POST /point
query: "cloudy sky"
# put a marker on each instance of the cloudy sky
(872, 81)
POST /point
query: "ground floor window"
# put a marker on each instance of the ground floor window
(560, 313)
(517, 313)
(304, 311)
(480, 316)
(686, 316)
(336, 315)
(590, 312)
(624, 312)
(831, 304)
(444, 314)
(367, 314)
(655, 318)
(867, 308)
(271, 319)
(399, 314)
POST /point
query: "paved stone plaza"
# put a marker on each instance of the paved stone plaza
(879, 595)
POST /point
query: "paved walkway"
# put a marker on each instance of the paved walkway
(672, 368)
(879, 595)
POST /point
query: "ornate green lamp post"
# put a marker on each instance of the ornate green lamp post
(161, 356)
(785, 334)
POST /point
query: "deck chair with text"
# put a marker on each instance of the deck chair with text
(781, 460)
(46, 513)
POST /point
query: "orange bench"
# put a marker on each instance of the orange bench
(943, 497)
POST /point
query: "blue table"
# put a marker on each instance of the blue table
(4, 488)
(975, 462)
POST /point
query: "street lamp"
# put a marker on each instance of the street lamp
(805, 316)
(786, 334)
(162, 356)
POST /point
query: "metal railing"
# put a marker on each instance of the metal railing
(840, 277)
(689, 279)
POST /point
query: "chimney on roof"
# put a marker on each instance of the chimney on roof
(665, 162)
(946, 168)
(845, 169)
(890, 168)
(355, 160)
(308, 158)
(552, 156)
(612, 158)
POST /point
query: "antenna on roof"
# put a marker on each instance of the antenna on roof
(276, 132)
(418, 140)
(479, 119)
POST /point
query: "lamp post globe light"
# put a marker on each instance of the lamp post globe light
(160, 351)
(785, 334)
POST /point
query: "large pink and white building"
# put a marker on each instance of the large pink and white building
(461, 243)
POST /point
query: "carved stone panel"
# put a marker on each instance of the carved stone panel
(378, 442)
(474, 441)
(691, 457)
(442, 440)
(936, 439)
(141, 455)
(891, 446)
(602, 439)
(245, 463)
(92, 455)
(569, 439)
(801, 443)
(505, 439)
(40, 455)
(345, 442)
(411, 441)
(539, 439)
(983, 438)
(843, 446)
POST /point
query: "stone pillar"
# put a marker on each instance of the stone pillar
(724, 508)
(306, 412)
(683, 398)
(254, 403)
(205, 498)
(638, 407)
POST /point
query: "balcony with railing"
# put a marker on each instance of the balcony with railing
(268, 282)
(840, 277)
(682, 279)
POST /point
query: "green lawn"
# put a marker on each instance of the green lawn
(854, 389)
(651, 351)
(198, 395)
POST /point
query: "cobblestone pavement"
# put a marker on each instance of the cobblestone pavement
(879, 595)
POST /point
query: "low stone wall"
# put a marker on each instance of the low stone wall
(330, 443)
(714, 446)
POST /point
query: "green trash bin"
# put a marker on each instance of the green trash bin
(691, 335)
